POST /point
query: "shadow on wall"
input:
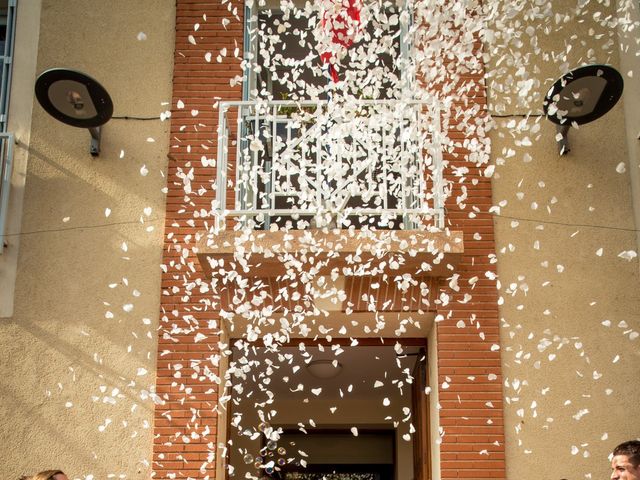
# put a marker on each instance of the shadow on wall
(41, 430)
(106, 181)
(78, 358)
(81, 259)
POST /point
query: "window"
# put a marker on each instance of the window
(313, 152)
(7, 28)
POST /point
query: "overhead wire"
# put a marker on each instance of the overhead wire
(511, 115)
(551, 222)
(129, 117)
(508, 217)
(83, 227)
(153, 220)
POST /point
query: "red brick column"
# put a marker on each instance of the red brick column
(469, 368)
(185, 426)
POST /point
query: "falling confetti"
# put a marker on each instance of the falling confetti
(352, 67)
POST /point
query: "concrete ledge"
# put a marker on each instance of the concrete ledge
(353, 252)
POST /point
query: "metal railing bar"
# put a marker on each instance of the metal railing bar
(254, 160)
(314, 103)
(266, 173)
(350, 212)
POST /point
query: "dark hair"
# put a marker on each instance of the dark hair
(631, 449)
(45, 475)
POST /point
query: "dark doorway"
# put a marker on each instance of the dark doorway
(336, 454)
(342, 472)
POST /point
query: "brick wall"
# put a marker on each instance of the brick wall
(186, 423)
(469, 367)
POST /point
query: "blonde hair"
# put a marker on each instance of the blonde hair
(45, 475)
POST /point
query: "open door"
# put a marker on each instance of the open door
(420, 412)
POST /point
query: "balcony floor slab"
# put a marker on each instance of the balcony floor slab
(261, 253)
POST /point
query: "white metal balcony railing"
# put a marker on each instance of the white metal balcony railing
(373, 162)
(6, 160)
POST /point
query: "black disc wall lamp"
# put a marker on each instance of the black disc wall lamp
(76, 99)
(581, 96)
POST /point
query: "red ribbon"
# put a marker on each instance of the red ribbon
(338, 25)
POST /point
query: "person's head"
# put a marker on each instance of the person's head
(48, 475)
(625, 464)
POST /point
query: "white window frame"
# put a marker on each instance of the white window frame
(18, 123)
(6, 138)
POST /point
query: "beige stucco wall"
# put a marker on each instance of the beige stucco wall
(58, 347)
(571, 384)
(67, 368)
(630, 62)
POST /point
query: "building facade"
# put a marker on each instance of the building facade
(159, 316)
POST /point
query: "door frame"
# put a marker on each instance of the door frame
(362, 342)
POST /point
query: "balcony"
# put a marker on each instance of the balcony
(366, 163)
(357, 186)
